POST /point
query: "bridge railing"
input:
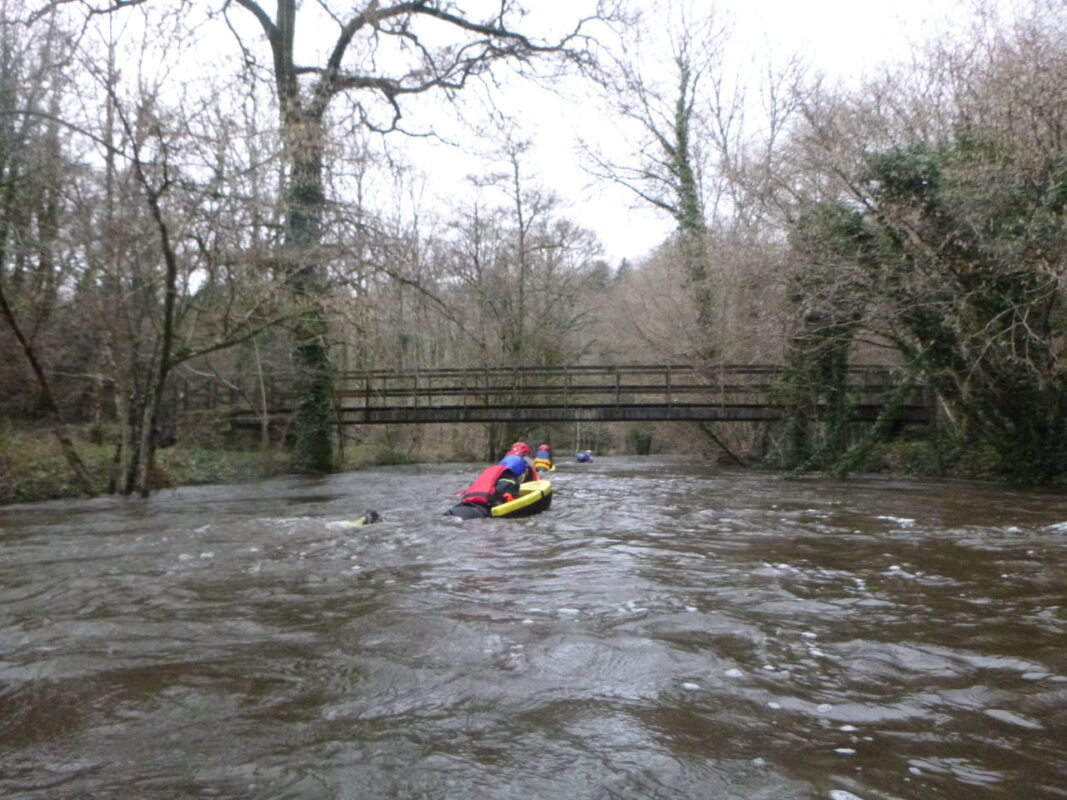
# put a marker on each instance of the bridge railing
(587, 392)
(579, 385)
(516, 385)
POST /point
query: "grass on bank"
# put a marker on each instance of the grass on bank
(32, 466)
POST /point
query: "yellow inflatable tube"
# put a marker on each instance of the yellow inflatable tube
(534, 497)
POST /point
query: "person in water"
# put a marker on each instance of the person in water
(522, 450)
(497, 484)
(585, 455)
(543, 459)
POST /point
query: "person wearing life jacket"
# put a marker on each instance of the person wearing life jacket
(496, 484)
(543, 459)
(585, 456)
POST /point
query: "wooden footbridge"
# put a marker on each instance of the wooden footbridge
(617, 393)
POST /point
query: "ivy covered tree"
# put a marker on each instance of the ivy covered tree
(971, 260)
(928, 213)
(674, 134)
(956, 259)
(828, 300)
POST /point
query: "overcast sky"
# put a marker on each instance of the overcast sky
(842, 38)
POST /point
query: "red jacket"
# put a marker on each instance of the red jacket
(483, 490)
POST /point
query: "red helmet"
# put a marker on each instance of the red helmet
(543, 447)
(520, 449)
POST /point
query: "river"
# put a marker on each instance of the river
(665, 630)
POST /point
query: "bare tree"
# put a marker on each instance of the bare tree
(669, 106)
(170, 232)
(380, 54)
(31, 165)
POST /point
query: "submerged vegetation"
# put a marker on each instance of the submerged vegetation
(251, 226)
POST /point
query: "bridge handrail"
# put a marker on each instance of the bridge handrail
(579, 369)
(562, 386)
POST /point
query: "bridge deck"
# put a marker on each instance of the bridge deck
(587, 393)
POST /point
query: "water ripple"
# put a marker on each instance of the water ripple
(663, 631)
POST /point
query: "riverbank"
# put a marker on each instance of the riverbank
(32, 467)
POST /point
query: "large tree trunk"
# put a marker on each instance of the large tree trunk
(689, 213)
(313, 450)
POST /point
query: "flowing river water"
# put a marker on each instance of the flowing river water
(665, 630)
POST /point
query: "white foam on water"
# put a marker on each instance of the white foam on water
(1012, 718)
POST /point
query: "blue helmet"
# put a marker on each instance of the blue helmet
(514, 464)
